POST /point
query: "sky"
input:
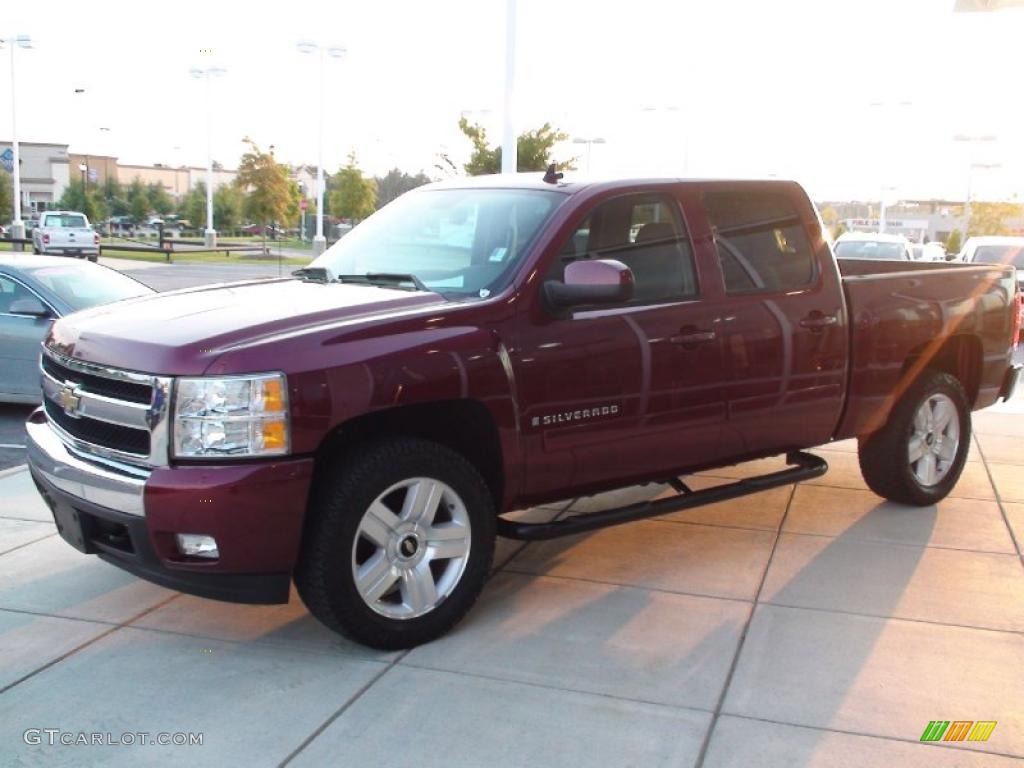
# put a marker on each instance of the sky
(853, 98)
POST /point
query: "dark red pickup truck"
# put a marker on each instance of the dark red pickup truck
(476, 347)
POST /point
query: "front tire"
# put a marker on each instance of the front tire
(917, 457)
(398, 544)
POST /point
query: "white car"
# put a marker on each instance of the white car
(873, 245)
(928, 252)
(65, 233)
(991, 249)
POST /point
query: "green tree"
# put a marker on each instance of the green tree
(533, 150)
(228, 205)
(270, 195)
(160, 201)
(353, 196)
(396, 183)
(87, 199)
(193, 206)
(138, 205)
(115, 197)
(954, 242)
(990, 218)
(6, 197)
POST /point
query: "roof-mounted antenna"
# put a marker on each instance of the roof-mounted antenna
(552, 175)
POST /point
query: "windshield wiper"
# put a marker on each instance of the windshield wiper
(390, 278)
(316, 274)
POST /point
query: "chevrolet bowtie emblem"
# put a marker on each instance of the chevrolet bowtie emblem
(69, 399)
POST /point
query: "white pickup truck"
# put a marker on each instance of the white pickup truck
(66, 233)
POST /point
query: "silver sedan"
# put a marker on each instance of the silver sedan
(34, 291)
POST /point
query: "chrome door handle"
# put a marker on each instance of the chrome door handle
(817, 321)
(688, 337)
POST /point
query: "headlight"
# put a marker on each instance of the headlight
(233, 416)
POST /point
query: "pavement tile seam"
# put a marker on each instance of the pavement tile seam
(26, 543)
(87, 643)
(999, 501)
(13, 470)
(930, 622)
(542, 686)
(704, 595)
(875, 736)
(341, 710)
(902, 544)
(290, 645)
(710, 732)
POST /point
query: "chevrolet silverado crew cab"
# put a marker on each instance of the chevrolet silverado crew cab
(66, 233)
(364, 427)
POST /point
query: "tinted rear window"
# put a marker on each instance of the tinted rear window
(760, 240)
(1000, 254)
(64, 220)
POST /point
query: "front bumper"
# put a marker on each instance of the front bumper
(129, 517)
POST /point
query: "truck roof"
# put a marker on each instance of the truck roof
(573, 182)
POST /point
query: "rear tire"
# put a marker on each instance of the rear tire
(398, 543)
(917, 457)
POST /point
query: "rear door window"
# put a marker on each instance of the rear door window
(760, 241)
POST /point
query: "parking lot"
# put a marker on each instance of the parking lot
(808, 625)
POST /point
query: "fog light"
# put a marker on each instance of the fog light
(197, 545)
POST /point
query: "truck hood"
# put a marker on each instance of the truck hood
(183, 332)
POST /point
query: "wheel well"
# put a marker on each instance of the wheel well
(465, 426)
(959, 356)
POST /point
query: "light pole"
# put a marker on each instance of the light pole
(335, 52)
(590, 143)
(17, 225)
(509, 146)
(973, 141)
(210, 235)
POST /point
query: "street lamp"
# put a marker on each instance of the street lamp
(972, 141)
(17, 225)
(335, 52)
(590, 143)
(210, 235)
(509, 143)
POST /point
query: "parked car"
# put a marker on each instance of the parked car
(927, 252)
(874, 246)
(35, 291)
(994, 250)
(67, 233)
(490, 344)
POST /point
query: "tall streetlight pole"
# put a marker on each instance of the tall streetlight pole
(335, 52)
(207, 74)
(509, 147)
(973, 141)
(590, 143)
(17, 225)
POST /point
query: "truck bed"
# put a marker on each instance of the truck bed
(905, 315)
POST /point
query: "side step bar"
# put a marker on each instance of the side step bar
(805, 467)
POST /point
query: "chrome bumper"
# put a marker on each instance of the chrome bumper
(50, 458)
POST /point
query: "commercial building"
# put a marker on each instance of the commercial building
(45, 171)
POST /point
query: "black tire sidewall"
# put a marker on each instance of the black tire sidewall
(340, 512)
(888, 447)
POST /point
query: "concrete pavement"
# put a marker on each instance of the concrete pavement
(807, 626)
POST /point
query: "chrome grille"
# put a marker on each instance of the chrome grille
(106, 412)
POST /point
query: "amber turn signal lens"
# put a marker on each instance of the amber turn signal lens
(273, 396)
(274, 435)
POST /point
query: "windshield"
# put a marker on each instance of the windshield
(869, 249)
(1000, 254)
(83, 285)
(64, 221)
(458, 242)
